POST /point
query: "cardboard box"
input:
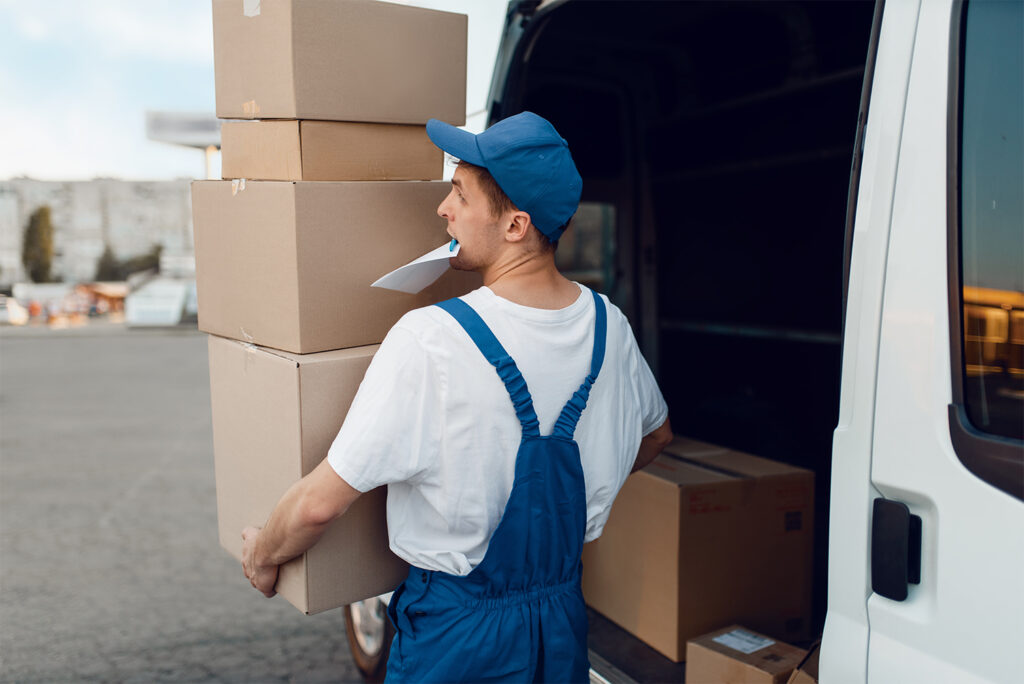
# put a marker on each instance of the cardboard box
(327, 151)
(274, 417)
(341, 61)
(705, 536)
(807, 671)
(736, 655)
(289, 265)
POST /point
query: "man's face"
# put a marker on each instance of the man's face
(470, 221)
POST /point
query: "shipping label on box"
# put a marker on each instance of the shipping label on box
(356, 60)
(275, 416)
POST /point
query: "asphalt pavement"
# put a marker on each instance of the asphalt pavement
(110, 568)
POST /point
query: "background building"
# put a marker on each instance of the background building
(130, 216)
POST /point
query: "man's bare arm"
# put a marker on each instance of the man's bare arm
(652, 445)
(297, 522)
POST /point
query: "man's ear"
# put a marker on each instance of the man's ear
(518, 226)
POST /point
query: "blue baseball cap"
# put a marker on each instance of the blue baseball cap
(528, 159)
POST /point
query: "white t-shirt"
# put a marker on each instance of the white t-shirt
(433, 420)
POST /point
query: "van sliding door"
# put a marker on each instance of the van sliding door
(947, 544)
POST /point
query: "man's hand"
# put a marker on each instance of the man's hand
(296, 523)
(263, 577)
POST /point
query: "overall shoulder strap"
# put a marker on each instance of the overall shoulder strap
(565, 426)
(492, 350)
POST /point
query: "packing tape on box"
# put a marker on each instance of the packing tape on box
(251, 8)
(237, 186)
(250, 110)
(250, 348)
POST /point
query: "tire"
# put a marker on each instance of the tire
(369, 633)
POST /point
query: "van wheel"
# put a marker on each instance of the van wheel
(369, 634)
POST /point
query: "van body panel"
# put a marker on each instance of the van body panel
(845, 640)
(954, 624)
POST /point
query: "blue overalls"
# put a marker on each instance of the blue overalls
(519, 615)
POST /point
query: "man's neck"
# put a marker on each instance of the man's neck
(531, 280)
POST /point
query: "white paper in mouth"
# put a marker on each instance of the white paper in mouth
(418, 274)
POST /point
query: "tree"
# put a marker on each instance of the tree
(37, 246)
(150, 261)
(108, 268)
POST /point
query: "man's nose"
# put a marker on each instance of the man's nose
(441, 211)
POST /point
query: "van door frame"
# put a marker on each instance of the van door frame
(844, 649)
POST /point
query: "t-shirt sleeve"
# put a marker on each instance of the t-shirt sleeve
(653, 409)
(645, 410)
(392, 430)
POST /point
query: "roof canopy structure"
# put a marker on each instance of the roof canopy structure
(201, 131)
(182, 128)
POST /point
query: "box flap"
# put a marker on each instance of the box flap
(807, 671)
(325, 357)
(671, 469)
(692, 448)
(730, 460)
(750, 465)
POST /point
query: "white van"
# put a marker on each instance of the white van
(813, 214)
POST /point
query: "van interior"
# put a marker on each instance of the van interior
(715, 140)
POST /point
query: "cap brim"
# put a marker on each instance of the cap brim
(455, 141)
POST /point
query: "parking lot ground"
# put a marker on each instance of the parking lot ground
(110, 568)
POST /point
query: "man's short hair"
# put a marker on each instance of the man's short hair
(500, 202)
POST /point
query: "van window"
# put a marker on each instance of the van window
(992, 217)
(586, 251)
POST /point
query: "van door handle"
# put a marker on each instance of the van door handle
(895, 549)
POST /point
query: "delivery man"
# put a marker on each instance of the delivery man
(504, 422)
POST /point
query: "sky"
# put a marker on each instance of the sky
(77, 77)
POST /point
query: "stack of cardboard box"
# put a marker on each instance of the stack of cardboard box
(333, 184)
